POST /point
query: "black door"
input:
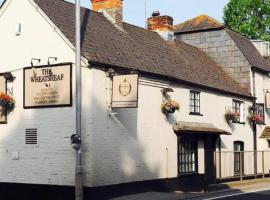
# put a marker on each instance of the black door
(210, 169)
(238, 158)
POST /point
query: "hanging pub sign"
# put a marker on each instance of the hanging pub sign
(48, 86)
(125, 91)
(267, 100)
(3, 89)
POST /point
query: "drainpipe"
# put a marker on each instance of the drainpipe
(78, 169)
(254, 125)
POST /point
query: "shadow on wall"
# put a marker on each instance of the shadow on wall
(117, 154)
(50, 162)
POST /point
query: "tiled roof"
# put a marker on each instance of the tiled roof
(266, 133)
(252, 55)
(199, 128)
(137, 48)
(202, 22)
(268, 60)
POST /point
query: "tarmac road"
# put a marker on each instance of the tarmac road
(260, 195)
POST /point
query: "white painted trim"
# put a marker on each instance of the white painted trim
(4, 7)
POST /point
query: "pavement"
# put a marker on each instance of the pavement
(252, 190)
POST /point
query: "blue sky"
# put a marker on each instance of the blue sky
(180, 10)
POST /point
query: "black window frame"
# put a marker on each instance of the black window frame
(237, 109)
(260, 114)
(195, 103)
(188, 162)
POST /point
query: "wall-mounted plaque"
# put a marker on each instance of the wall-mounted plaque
(125, 91)
(267, 100)
(3, 89)
(48, 86)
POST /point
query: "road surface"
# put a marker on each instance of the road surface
(255, 195)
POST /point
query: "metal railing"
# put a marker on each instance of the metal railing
(242, 164)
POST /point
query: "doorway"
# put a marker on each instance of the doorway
(238, 158)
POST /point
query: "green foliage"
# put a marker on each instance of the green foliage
(249, 17)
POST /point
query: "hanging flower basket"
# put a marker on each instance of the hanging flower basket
(169, 106)
(232, 116)
(255, 119)
(7, 102)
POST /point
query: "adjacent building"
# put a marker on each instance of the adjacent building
(235, 54)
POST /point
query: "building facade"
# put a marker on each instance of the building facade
(120, 145)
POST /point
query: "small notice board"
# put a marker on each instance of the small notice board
(125, 91)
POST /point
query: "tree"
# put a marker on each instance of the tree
(249, 17)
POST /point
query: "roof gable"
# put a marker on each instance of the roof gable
(137, 48)
(202, 22)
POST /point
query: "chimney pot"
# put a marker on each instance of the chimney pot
(155, 13)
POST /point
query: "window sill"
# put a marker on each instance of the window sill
(261, 124)
(239, 123)
(193, 113)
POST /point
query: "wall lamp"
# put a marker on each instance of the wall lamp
(8, 76)
(51, 58)
(38, 60)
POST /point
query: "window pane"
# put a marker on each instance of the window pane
(187, 156)
(194, 102)
(242, 112)
(238, 107)
(260, 111)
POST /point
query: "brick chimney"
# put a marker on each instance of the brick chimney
(112, 8)
(161, 24)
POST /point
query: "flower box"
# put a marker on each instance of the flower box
(255, 119)
(7, 102)
(169, 106)
(232, 116)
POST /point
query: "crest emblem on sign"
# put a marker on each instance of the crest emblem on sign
(125, 88)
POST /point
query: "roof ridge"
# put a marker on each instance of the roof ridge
(199, 22)
(201, 16)
(212, 19)
(73, 4)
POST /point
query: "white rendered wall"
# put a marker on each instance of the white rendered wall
(52, 160)
(134, 148)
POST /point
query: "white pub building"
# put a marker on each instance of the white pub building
(168, 107)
